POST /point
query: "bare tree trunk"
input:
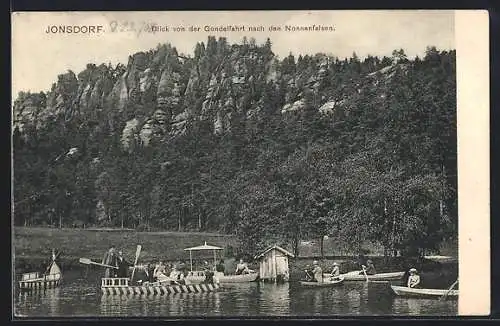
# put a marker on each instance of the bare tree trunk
(321, 247)
(441, 201)
(179, 221)
(296, 247)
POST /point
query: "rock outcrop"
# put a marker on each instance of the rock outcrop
(159, 92)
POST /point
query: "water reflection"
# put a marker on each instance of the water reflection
(419, 307)
(274, 299)
(79, 297)
(182, 304)
(379, 298)
(48, 300)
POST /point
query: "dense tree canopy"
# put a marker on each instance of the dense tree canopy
(381, 165)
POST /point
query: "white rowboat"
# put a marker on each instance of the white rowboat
(404, 291)
(360, 276)
(325, 283)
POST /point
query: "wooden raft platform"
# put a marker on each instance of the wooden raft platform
(120, 286)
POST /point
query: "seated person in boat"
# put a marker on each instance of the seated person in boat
(307, 274)
(209, 274)
(176, 276)
(317, 272)
(369, 269)
(242, 268)
(413, 279)
(220, 266)
(160, 272)
(122, 265)
(335, 271)
(181, 277)
(182, 267)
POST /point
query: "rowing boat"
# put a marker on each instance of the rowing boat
(356, 276)
(121, 286)
(35, 281)
(325, 283)
(404, 291)
(197, 277)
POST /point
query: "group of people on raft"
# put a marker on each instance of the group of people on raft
(164, 273)
(315, 274)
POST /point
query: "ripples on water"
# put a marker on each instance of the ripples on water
(79, 296)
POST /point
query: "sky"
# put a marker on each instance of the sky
(38, 57)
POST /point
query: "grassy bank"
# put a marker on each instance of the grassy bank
(32, 246)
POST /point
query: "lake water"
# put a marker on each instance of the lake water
(80, 296)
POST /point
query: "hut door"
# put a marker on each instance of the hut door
(281, 265)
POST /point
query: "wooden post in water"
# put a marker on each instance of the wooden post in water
(191, 259)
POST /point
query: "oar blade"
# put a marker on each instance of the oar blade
(85, 261)
(137, 253)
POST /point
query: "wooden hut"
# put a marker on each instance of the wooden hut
(273, 264)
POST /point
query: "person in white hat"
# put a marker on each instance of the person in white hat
(413, 279)
(336, 269)
(335, 272)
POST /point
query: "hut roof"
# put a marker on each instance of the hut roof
(286, 252)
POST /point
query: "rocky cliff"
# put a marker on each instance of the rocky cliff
(159, 92)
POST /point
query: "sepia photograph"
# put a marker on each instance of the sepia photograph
(238, 164)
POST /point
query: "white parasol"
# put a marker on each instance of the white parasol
(202, 247)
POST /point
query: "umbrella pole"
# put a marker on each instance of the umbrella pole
(191, 259)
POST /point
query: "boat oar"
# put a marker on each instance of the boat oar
(87, 261)
(137, 253)
(364, 272)
(449, 290)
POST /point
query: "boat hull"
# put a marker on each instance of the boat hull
(220, 278)
(403, 291)
(338, 282)
(355, 276)
(159, 290)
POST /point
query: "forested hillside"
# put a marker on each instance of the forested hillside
(236, 140)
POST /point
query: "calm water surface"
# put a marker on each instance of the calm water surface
(80, 295)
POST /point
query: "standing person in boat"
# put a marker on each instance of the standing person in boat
(307, 276)
(111, 260)
(241, 268)
(317, 272)
(369, 269)
(413, 279)
(122, 265)
(150, 270)
(209, 274)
